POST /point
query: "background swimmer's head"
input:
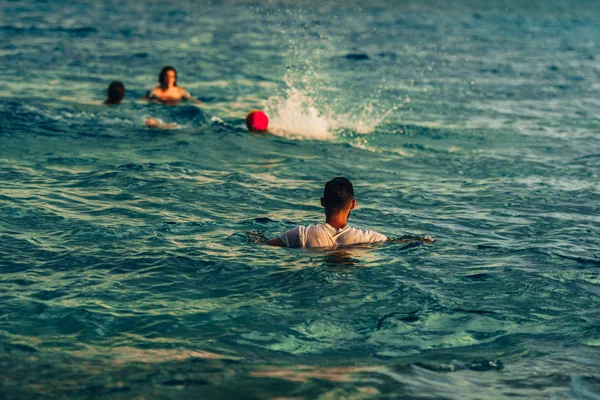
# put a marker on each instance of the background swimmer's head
(338, 196)
(167, 77)
(115, 92)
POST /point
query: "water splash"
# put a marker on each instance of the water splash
(296, 115)
(315, 103)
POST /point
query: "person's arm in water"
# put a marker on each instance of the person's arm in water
(275, 242)
(410, 238)
(151, 96)
(158, 124)
(186, 95)
(258, 237)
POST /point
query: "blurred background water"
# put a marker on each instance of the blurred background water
(128, 267)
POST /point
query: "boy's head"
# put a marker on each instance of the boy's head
(115, 92)
(338, 196)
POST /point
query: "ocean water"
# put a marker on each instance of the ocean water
(129, 267)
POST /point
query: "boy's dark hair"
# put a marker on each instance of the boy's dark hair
(338, 193)
(115, 92)
(162, 77)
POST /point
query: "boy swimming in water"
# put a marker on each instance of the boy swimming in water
(115, 93)
(338, 200)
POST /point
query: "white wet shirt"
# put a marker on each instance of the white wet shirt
(325, 235)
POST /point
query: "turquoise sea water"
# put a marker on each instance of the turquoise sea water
(128, 266)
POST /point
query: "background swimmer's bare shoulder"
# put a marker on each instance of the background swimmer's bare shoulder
(152, 95)
(187, 96)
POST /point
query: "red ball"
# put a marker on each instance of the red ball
(257, 121)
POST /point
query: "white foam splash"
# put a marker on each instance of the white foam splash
(308, 109)
(295, 116)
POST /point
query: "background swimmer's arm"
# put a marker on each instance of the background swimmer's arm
(186, 95)
(409, 238)
(158, 124)
(151, 96)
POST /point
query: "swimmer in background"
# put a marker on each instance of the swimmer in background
(115, 93)
(338, 200)
(168, 92)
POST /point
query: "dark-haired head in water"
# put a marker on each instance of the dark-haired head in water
(167, 77)
(115, 93)
(168, 92)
